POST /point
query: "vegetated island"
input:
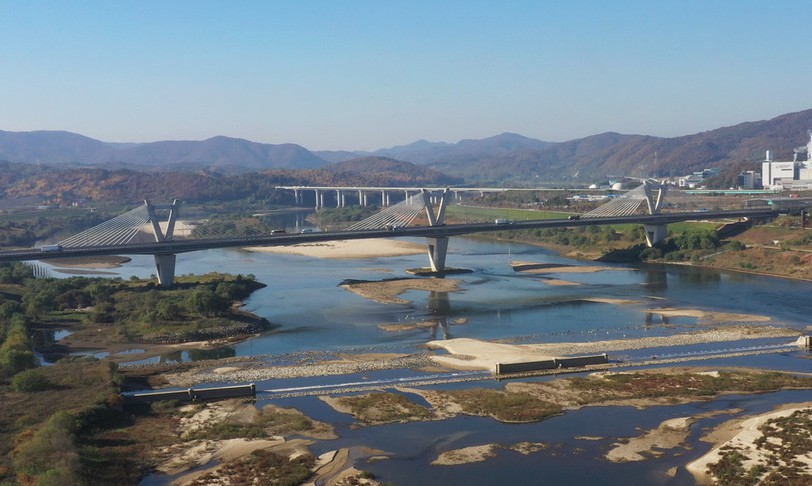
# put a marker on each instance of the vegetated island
(114, 316)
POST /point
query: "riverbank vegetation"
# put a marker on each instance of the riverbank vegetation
(534, 401)
(55, 420)
(200, 307)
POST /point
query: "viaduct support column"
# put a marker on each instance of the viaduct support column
(317, 198)
(165, 263)
(655, 233)
(438, 248)
(338, 198)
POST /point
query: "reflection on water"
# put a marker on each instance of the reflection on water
(440, 308)
(218, 353)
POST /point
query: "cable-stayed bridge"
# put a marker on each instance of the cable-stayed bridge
(159, 231)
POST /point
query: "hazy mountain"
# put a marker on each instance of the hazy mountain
(65, 148)
(508, 157)
(592, 158)
(52, 148)
(424, 152)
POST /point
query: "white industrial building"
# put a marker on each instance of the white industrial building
(788, 175)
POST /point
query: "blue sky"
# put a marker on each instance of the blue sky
(361, 75)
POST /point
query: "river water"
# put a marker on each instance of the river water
(311, 313)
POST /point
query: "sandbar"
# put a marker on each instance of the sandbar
(483, 355)
(744, 441)
(111, 261)
(347, 249)
(543, 268)
(387, 291)
(670, 434)
(709, 316)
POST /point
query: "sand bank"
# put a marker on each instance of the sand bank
(543, 268)
(708, 316)
(483, 355)
(387, 291)
(480, 453)
(112, 261)
(347, 249)
(670, 434)
(745, 433)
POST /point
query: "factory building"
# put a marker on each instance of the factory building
(790, 175)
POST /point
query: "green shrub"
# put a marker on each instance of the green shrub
(30, 381)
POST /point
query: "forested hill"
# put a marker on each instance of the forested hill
(507, 158)
(383, 171)
(86, 185)
(593, 158)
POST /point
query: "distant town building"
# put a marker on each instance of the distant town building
(791, 175)
(749, 179)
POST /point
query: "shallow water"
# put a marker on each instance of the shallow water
(311, 312)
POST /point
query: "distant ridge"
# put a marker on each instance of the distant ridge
(505, 158)
(65, 148)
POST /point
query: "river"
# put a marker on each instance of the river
(310, 312)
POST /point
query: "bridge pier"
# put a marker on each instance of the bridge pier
(437, 246)
(438, 249)
(165, 264)
(655, 233)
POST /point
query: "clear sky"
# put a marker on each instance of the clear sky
(361, 75)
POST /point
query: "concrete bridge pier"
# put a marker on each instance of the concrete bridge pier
(438, 249)
(165, 264)
(437, 246)
(655, 233)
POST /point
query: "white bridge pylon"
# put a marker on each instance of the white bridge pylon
(402, 214)
(653, 193)
(126, 227)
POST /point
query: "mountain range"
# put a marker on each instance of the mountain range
(505, 158)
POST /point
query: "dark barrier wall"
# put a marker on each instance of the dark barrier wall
(549, 364)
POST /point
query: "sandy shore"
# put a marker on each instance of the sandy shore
(347, 249)
(745, 433)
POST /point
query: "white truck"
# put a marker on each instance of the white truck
(50, 248)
